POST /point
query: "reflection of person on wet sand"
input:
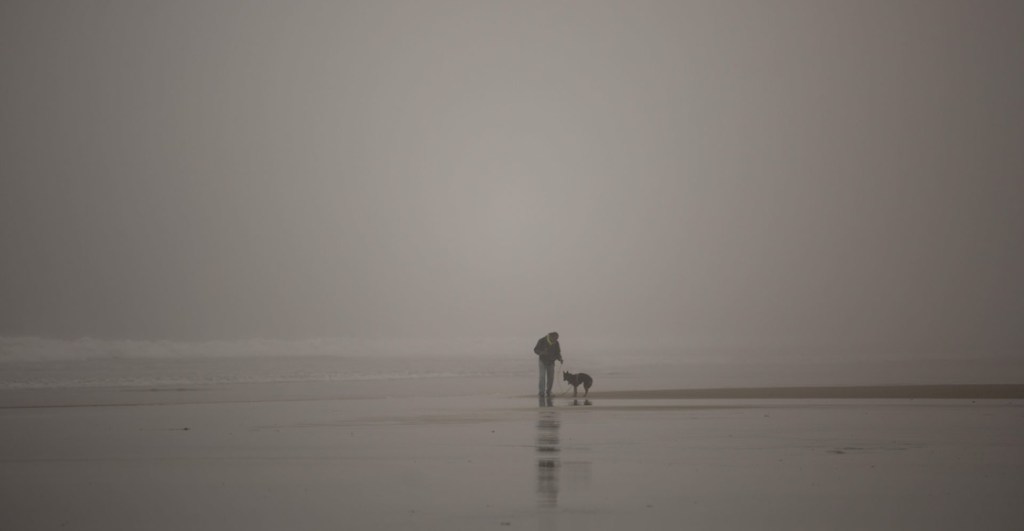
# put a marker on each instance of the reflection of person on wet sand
(548, 462)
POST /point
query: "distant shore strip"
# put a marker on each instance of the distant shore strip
(950, 391)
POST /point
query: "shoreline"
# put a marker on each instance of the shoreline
(941, 391)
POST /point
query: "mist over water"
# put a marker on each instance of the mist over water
(743, 181)
(453, 366)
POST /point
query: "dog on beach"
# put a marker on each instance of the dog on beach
(575, 380)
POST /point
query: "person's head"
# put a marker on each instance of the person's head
(553, 336)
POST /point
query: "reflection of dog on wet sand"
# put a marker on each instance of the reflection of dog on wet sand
(575, 380)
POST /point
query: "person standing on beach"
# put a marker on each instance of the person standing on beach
(548, 351)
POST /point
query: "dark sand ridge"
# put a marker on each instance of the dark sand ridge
(251, 393)
(951, 391)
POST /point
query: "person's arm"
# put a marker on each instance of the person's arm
(539, 349)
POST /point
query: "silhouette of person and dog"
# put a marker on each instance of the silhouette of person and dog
(548, 351)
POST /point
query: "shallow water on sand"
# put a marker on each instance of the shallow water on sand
(273, 456)
(459, 442)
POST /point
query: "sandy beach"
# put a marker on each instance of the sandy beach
(430, 455)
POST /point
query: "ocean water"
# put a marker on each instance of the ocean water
(35, 363)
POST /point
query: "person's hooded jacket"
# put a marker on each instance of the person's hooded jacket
(548, 349)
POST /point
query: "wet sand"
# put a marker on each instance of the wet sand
(417, 456)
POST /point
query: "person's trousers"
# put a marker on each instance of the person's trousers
(547, 378)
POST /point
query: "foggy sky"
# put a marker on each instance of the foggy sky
(725, 172)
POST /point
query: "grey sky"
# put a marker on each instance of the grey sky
(742, 173)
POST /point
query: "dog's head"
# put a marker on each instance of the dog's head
(567, 376)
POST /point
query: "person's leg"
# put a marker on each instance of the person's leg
(541, 381)
(551, 377)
